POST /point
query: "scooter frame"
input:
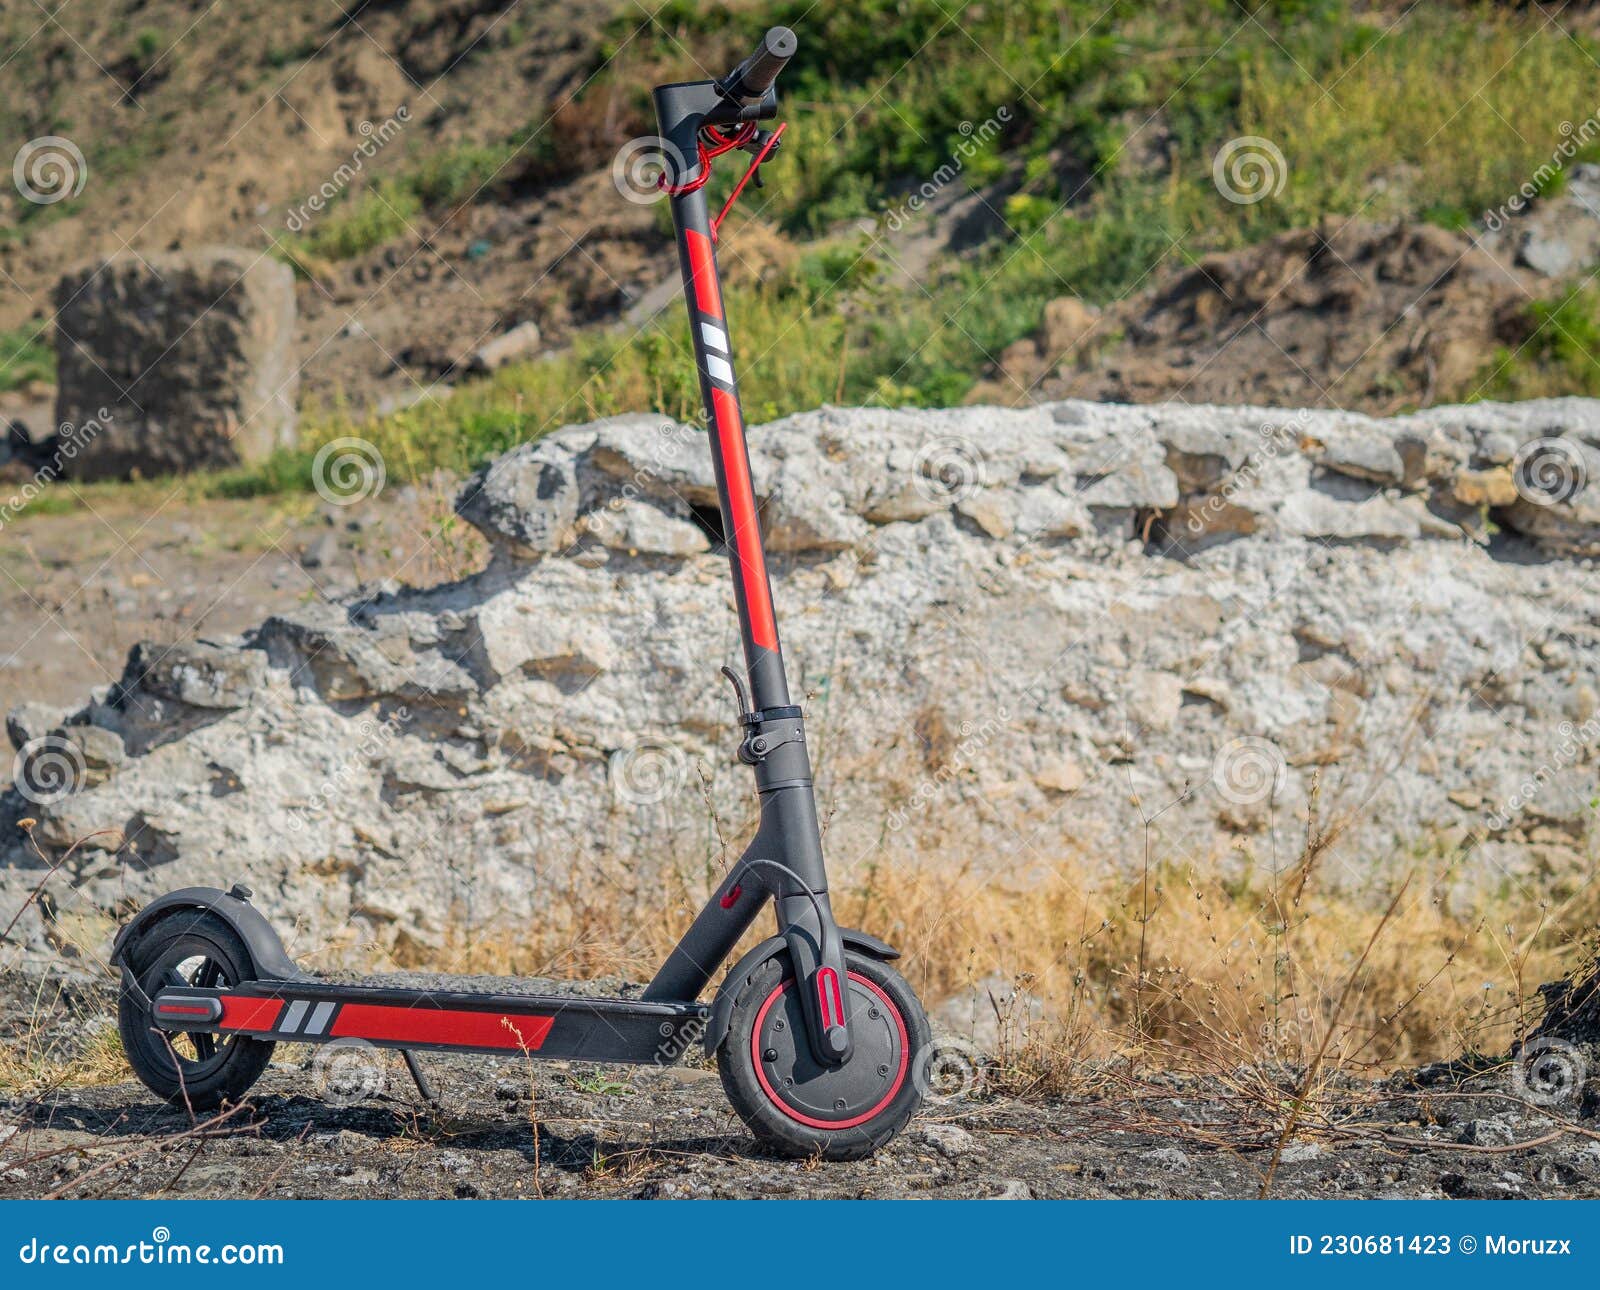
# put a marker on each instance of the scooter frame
(784, 861)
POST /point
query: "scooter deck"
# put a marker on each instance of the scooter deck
(550, 1026)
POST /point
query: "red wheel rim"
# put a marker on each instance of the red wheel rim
(811, 1121)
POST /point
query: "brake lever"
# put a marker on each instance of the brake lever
(756, 146)
(757, 143)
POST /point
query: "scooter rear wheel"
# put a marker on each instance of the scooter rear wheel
(202, 1069)
(796, 1105)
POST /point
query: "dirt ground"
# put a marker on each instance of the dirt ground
(508, 1128)
(1374, 317)
(78, 590)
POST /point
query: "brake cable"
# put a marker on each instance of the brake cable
(755, 165)
(721, 143)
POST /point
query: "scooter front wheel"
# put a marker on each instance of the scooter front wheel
(797, 1105)
(195, 948)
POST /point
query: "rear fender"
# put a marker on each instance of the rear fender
(267, 955)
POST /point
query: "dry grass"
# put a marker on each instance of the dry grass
(50, 1054)
(1239, 976)
(1180, 970)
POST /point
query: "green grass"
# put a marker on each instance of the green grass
(26, 354)
(353, 225)
(1559, 356)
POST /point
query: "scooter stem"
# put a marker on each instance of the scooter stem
(785, 857)
(719, 389)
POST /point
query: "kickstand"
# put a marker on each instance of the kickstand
(420, 1077)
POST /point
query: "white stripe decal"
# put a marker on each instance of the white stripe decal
(319, 1019)
(291, 1019)
(719, 369)
(715, 336)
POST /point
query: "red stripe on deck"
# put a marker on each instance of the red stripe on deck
(240, 1012)
(440, 1026)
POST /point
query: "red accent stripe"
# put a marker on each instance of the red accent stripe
(178, 1010)
(240, 1012)
(440, 1026)
(703, 275)
(746, 530)
(828, 994)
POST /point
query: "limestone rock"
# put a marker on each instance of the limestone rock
(519, 342)
(985, 652)
(526, 501)
(639, 527)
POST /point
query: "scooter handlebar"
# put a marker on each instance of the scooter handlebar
(754, 77)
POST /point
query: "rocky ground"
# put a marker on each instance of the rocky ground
(505, 1129)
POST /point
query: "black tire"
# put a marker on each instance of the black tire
(789, 1101)
(201, 1070)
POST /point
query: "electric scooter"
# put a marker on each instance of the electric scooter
(817, 1038)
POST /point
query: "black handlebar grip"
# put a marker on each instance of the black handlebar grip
(754, 77)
